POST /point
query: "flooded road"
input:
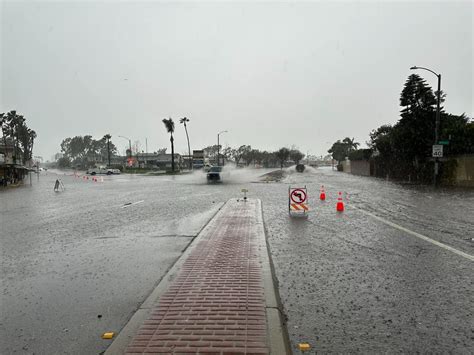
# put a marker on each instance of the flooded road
(351, 283)
(78, 263)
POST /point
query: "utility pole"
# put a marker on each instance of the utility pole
(218, 147)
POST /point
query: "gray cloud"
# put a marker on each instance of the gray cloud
(271, 74)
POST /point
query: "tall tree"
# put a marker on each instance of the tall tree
(226, 153)
(14, 126)
(14, 122)
(296, 155)
(183, 121)
(380, 141)
(108, 137)
(240, 153)
(351, 144)
(404, 150)
(86, 152)
(282, 155)
(169, 125)
(26, 139)
(32, 137)
(413, 135)
(459, 131)
(339, 150)
(211, 151)
(4, 129)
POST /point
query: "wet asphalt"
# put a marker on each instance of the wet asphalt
(78, 263)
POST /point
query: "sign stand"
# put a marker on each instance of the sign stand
(245, 194)
(298, 202)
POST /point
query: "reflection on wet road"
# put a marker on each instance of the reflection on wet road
(349, 282)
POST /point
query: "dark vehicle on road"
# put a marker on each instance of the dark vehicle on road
(214, 174)
(300, 168)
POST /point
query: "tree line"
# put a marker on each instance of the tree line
(85, 151)
(404, 150)
(246, 155)
(15, 131)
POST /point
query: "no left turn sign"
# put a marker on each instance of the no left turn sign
(298, 196)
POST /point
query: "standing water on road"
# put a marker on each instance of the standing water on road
(347, 281)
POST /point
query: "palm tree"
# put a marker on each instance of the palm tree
(33, 136)
(169, 125)
(3, 127)
(15, 122)
(351, 143)
(184, 120)
(107, 137)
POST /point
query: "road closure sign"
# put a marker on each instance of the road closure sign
(437, 151)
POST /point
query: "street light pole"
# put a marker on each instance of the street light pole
(146, 152)
(129, 144)
(218, 147)
(438, 113)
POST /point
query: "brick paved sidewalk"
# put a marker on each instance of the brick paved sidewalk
(216, 304)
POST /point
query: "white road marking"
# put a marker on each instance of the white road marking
(418, 235)
(131, 204)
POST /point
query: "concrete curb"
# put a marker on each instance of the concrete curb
(276, 330)
(125, 336)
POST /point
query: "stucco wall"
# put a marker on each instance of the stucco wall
(346, 166)
(465, 170)
(360, 167)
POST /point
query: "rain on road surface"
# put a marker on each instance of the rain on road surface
(78, 263)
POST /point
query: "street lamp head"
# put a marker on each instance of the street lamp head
(414, 67)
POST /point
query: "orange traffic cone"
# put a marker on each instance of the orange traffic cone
(322, 193)
(340, 204)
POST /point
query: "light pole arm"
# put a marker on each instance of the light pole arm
(415, 67)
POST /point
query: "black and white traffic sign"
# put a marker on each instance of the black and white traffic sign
(298, 195)
(437, 151)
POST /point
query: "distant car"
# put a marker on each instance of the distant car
(102, 170)
(113, 171)
(300, 168)
(214, 174)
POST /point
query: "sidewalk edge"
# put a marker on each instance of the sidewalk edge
(277, 332)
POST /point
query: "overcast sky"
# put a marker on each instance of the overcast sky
(271, 74)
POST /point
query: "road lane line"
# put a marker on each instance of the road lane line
(418, 235)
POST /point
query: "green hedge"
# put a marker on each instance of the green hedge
(360, 154)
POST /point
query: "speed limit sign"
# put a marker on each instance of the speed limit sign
(437, 151)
